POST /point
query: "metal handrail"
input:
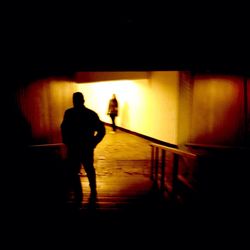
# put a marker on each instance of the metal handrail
(155, 159)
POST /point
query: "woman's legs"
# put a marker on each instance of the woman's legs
(113, 122)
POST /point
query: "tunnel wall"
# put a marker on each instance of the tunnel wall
(171, 106)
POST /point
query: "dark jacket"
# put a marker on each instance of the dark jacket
(82, 126)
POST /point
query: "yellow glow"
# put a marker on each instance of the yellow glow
(146, 106)
(97, 96)
(217, 109)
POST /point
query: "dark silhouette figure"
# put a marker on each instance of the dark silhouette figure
(81, 131)
(113, 110)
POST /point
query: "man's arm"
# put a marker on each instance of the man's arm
(101, 131)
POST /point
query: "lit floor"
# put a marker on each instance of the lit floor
(122, 163)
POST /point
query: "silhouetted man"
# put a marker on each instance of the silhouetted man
(81, 131)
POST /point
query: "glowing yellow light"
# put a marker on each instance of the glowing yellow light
(97, 95)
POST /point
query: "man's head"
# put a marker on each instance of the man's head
(78, 99)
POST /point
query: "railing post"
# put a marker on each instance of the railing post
(163, 170)
(156, 165)
(175, 176)
(162, 185)
(152, 162)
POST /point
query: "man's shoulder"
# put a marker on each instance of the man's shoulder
(92, 115)
(69, 110)
(90, 111)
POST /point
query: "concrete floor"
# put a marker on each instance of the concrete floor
(122, 163)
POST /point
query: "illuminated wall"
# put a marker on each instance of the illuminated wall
(218, 110)
(185, 107)
(148, 106)
(164, 105)
(43, 103)
(167, 105)
(128, 94)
